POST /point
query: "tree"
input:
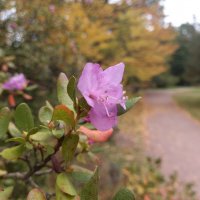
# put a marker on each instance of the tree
(48, 37)
(185, 62)
(142, 40)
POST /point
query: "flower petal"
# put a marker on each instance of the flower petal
(88, 81)
(114, 74)
(17, 82)
(103, 117)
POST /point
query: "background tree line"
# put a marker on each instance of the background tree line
(184, 64)
(46, 37)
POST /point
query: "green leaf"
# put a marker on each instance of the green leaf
(71, 89)
(49, 149)
(90, 190)
(65, 185)
(84, 107)
(124, 194)
(13, 152)
(83, 103)
(81, 176)
(63, 113)
(58, 133)
(42, 135)
(62, 196)
(23, 117)
(49, 105)
(6, 193)
(29, 145)
(45, 115)
(129, 104)
(69, 146)
(36, 194)
(31, 87)
(62, 94)
(33, 131)
(13, 130)
(5, 116)
(2, 173)
(16, 139)
(90, 126)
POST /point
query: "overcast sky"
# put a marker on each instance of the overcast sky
(180, 11)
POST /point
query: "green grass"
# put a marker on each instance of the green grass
(190, 100)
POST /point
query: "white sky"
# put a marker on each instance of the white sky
(180, 11)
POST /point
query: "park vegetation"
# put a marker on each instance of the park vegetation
(41, 39)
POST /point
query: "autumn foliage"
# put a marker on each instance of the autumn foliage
(48, 36)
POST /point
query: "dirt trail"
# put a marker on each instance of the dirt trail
(173, 135)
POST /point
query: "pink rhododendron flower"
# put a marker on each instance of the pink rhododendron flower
(52, 8)
(96, 135)
(103, 91)
(17, 82)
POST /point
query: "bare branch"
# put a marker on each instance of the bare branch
(43, 172)
(32, 182)
(45, 161)
(26, 160)
(16, 175)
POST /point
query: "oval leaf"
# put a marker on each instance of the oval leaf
(6, 193)
(58, 133)
(42, 135)
(129, 104)
(23, 117)
(71, 89)
(16, 139)
(5, 116)
(84, 107)
(13, 130)
(62, 94)
(45, 115)
(33, 131)
(81, 176)
(69, 146)
(62, 196)
(63, 113)
(2, 173)
(36, 194)
(65, 185)
(13, 152)
(124, 194)
(90, 190)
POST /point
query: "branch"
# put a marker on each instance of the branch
(49, 196)
(32, 182)
(46, 160)
(17, 175)
(27, 161)
(39, 173)
(35, 169)
(21, 175)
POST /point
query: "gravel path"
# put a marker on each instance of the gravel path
(173, 135)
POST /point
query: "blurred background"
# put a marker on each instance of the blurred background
(157, 143)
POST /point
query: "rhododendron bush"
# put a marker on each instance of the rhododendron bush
(58, 146)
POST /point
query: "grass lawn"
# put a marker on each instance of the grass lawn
(190, 100)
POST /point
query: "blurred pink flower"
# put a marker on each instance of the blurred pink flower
(13, 25)
(52, 8)
(17, 82)
(95, 135)
(102, 90)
